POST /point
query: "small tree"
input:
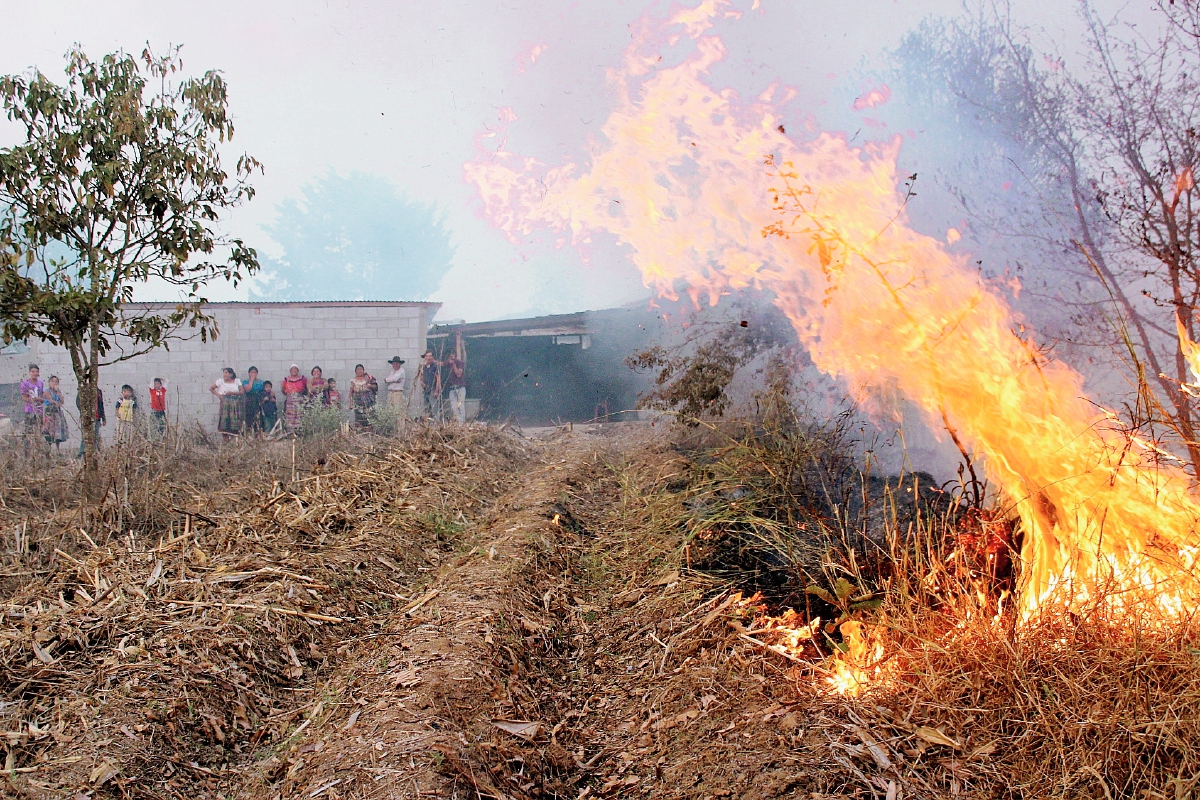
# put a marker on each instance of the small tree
(119, 182)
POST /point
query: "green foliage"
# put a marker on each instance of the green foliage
(694, 378)
(320, 420)
(112, 187)
(118, 181)
(386, 420)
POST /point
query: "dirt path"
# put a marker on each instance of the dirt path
(383, 723)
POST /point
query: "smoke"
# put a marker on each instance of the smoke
(710, 195)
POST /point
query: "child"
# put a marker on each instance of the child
(158, 406)
(270, 409)
(54, 421)
(331, 396)
(126, 410)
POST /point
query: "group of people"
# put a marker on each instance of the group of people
(45, 414)
(251, 406)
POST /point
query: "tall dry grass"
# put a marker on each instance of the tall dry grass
(959, 697)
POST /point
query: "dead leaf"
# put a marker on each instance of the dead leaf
(716, 612)
(350, 722)
(983, 750)
(102, 773)
(155, 573)
(42, 655)
(406, 679)
(934, 736)
(628, 598)
(678, 719)
(522, 728)
(231, 577)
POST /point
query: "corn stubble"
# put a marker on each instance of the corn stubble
(155, 645)
(696, 633)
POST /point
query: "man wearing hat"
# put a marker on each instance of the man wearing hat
(396, 385)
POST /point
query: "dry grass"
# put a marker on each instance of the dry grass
(655, 681)
(163, 642)
(179, 647)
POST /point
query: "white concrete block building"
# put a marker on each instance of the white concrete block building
(332, 335)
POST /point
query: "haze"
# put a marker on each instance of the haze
(401, 90)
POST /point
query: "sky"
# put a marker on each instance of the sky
(402, 89)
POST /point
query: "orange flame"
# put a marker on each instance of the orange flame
(679, 179)
(852, 669)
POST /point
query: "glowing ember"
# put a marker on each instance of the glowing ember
(684, 178)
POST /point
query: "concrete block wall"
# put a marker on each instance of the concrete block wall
(332, 335)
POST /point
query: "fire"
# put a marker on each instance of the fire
(706, 191)
(854, 668)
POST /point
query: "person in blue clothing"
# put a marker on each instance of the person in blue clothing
(252, 396)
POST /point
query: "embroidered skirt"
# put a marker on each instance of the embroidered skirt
(293, 411)
(230, 420)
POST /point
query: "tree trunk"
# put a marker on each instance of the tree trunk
(87, 374)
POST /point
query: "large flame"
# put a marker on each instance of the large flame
(691, 179)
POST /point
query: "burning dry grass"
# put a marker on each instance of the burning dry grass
(650, 677)
(157, 646)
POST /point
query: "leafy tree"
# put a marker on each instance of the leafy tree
(355, 238)
(119, 181)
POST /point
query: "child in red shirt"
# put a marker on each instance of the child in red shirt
(158, 405)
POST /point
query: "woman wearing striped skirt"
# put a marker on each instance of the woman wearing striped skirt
(229, 390)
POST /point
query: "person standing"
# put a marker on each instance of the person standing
(158, 407)
(456, 386)
(431, 384)
(229, 390)
(316, 386)
(331, 397)
(295, 389)
(252, 392)
(126, 406)
(99, 418)
(363, 389)
(54, 419)
(270, 408)
(396, 382)
(32, 391)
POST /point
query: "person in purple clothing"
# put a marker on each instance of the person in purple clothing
(33, 394)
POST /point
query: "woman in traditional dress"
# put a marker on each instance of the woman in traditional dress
(295, 389)
(252, 390)
(54, 421)
(363, 389)
(229, 390)
(316, 387)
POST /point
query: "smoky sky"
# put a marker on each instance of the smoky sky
(401, 90)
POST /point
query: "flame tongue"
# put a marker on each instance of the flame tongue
(684, 179)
